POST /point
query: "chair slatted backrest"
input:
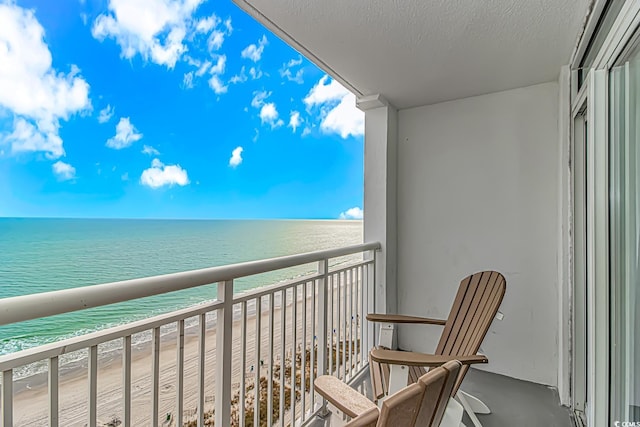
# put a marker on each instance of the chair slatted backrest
(452, 370)
(401, 408)
(421, 404)
(435, 383)
(476, 304)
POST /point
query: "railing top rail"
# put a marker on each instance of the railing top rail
(27, 307)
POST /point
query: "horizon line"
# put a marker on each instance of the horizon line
(182, 219)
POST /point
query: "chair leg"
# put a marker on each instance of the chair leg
(467, 408)
(477, 405)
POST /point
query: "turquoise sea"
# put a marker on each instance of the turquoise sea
(40, 255)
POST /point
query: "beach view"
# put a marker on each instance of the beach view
(151, 152)
(87, 246)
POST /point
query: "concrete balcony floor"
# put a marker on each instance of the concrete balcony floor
(513, 403)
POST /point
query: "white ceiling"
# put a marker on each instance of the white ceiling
(418, 52)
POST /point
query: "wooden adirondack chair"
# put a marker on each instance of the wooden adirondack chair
(421, 404)
(476, 304)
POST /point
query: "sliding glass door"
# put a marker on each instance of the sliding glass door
(624, 231)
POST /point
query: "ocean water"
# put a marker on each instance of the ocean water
(40, 255)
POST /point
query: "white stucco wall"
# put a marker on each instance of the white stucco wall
(478, 189)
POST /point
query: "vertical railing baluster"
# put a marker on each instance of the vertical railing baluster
(270, 362)
(126, 380)
(93, 385)
(224, 354)
(363, 314)
(53, 391)
(371, 296)
(350, 319)
(303, 369)
(243, 363)
(180, 373)
(283, 332)
(331, 300)
(366, 309)
(343, 283)
(323, 316)
(294, 339)
(256, 390)
(155, 377)
(313, 367)
(202, 335)
(338, 324)
(7, 398)
(354, 317)
(357, 318)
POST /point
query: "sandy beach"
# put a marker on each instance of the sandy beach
(31, 404)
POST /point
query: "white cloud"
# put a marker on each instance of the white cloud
(240, 77)
(259, 97)
(216, 39)
(35, 94)
(345, 119)
(126, 134)
(236, 157)
(205, 25)
(287, 71)
(217, 86)
(322, 92)
(154, 29)
(217, 30)
(64, 171)
(105, 114)
(125, 176)
(294, 120)
(203, 68)
(160, 175)
(147, 149)
(337, 107)
(187, 80)
(353, 213)
(220, 65)
(269, 114)
(255, 73)
(268, 111)
(215, 83)
(27, 137)
(254, 51)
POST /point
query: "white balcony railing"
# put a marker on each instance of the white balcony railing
(270, 343)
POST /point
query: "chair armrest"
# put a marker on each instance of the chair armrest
(342, 396)
(367, 419)
(399, 318)
(410, 358)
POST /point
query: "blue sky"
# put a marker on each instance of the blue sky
(168, 109)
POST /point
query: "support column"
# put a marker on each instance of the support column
(380, 180)
(564, 236)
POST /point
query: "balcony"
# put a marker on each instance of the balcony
(199, 366)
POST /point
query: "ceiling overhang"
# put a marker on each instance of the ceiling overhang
(420, 52)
